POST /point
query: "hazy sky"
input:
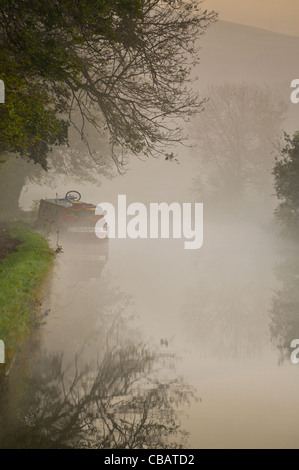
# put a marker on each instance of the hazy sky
(276, 15)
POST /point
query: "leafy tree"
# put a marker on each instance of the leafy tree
(286, 174)
(29, 124)
(126, 62)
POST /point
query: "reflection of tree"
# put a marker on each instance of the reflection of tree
(224, 327)
(284, 315)
(119, 404)
(226, 316)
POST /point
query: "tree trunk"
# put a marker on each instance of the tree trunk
(13, 173)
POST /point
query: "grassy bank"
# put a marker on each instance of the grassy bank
(21, 276)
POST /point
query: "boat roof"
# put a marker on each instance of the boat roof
(66, 203)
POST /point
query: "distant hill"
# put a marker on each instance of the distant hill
(237, 53)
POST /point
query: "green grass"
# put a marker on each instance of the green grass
(21, 276)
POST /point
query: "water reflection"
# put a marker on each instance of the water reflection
(122, 401)
(100, 386)
(284, 315)
(230, 295)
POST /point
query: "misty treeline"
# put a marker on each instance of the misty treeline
(243, 152)
(235, 141)
(247, 161)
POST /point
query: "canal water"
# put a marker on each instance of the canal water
(142, 344)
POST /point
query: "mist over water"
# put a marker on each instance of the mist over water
(146, 321)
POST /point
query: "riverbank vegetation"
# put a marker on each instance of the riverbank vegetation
(22, 273)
